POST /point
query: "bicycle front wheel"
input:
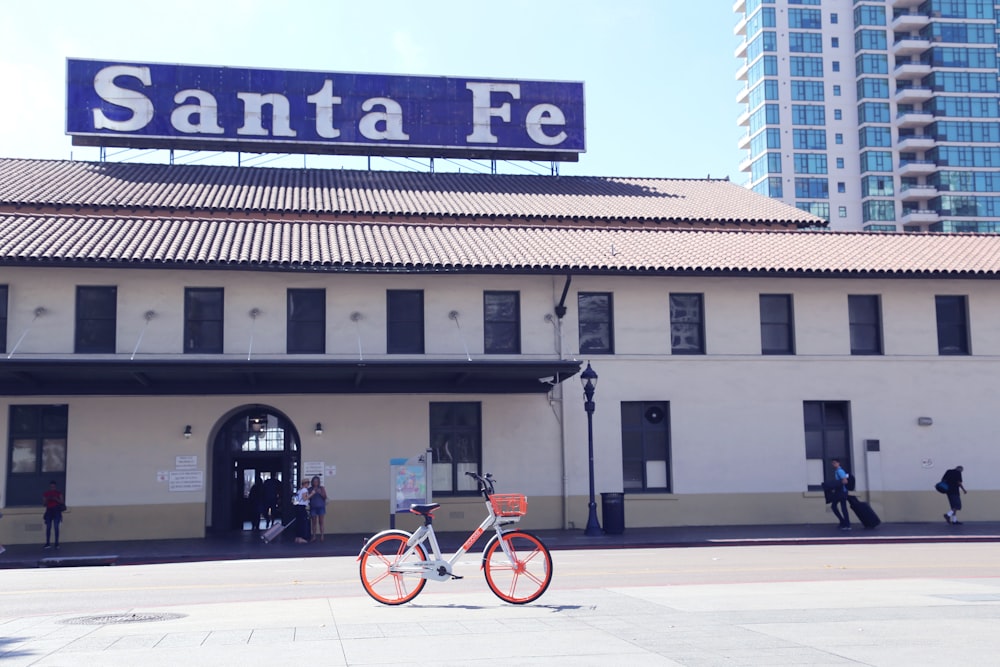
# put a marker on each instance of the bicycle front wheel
(525, 575)
(379, 556)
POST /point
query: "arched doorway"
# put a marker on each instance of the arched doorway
(256, 445)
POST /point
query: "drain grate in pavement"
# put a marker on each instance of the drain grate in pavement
(118, 619)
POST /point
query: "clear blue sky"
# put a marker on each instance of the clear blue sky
(659, 75)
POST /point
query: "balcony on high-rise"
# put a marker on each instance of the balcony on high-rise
(915, 143)
(922, 216)
(914, 118)
(916, 168)
(912, 94)
(906, 4)
(910, 46)
(911, 70)
(909, 22)
(917, 192)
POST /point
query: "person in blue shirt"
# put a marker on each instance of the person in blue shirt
(839, 497)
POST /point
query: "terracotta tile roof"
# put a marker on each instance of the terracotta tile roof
(394, 194)
(367, 246)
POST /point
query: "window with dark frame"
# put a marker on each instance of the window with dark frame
(596, 324)
(405, 322)
(687, 324)
(306, 323)
(36, 452)
(864, 312)
(952, 324)
(827, 433)
(777, 324)
(96, 319)
(3, 318)
(646, 446)
(203, 320)
(501, 322)
(456, 446)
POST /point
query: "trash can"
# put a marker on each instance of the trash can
(613, 508)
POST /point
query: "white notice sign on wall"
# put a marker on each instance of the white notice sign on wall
(187, 480)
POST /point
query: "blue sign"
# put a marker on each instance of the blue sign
(142, 105)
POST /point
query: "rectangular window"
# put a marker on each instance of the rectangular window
(96, 319)
(864, 311)
(952, 324)
(646, 446)
(3, 317)
(203, 320)
(842, 211)
(306, 321)
(501, 323)
(777, 326)
(827, 432)
(596, 324)
(404, 321)
(456, 446)
(687, 324)
(36, 452)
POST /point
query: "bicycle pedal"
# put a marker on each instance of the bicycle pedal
(456, 576)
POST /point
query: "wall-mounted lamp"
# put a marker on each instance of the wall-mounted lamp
(319, 429)
(924, 421)
(187, 431)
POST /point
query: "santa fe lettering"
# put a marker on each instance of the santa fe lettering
(197, 111)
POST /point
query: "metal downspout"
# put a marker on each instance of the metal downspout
(557, 395)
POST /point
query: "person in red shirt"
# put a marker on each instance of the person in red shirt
(54, 505)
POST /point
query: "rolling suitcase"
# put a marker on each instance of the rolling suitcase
(274, 531)
(866, 515)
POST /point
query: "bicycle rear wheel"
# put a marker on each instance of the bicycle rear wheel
(381, 554)
(527, 577)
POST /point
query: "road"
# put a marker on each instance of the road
(875, 604)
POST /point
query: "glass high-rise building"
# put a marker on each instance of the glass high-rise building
(881, 115)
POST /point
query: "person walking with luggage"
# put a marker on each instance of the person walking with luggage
(953, 478)
(317, 508)
(839, 495)
(55, 505)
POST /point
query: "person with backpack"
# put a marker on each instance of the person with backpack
(953, 479)
(838, 498)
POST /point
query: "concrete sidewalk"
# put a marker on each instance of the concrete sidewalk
(238, 546)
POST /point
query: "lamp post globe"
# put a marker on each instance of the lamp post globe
(589, 379)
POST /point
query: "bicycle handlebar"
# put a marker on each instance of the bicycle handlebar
(485, 482)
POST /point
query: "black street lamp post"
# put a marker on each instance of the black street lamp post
(589, 379)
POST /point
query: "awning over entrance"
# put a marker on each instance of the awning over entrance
(194, 377)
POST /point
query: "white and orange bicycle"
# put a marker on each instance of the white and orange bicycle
(395, 566)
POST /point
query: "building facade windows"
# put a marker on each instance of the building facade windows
(501, 323)
(4, 291)
(36, 452)
(96, 319)
(810, 163)
(456, 446)
(952, 324)
(687, 324)
(646, 446)
(596, 322)
(306, 321)
(404, 321)
(865, 316)
(812, 188)
(203, 320)
(777, 324)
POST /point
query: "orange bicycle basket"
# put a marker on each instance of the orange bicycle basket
(509, 504)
